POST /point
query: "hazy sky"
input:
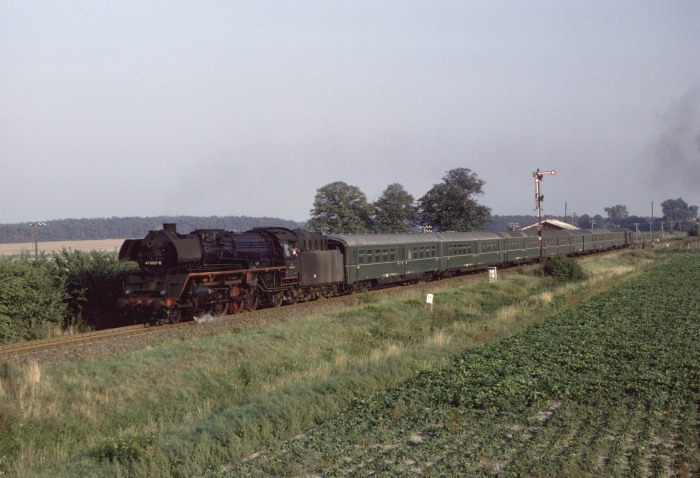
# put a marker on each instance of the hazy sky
(143, 108)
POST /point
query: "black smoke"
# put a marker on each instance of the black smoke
(676, 151)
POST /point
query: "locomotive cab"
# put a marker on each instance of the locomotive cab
(285, 246)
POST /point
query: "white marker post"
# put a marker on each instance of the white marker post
(429, 302)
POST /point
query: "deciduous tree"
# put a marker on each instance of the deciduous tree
(340, 208)
(394, 211)
(677, 212)
(616, 214)
(451, 206)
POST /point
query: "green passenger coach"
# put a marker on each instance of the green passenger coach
(375, 259)
(463, 251)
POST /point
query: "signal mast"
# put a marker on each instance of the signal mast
(538, 175)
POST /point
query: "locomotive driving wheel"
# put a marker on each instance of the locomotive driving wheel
(174, 315)
(220, 308)
(251, 301)
(235, 307)
(276, 299)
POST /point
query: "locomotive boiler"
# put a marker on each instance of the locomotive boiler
(219, 272)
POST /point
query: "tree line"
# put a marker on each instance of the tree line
(451, 206)
(448, 206)
(341, 208)
(676, 215)
(130, 227)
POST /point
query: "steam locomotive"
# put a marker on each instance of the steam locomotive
(220, 272)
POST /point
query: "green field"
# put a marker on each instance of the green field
(521, 377)
(610, 388)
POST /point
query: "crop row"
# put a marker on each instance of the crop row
(609, 388)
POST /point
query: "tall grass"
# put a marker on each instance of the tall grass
(185, 408)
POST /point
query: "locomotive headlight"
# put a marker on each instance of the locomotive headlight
(164, 292)
(127, 291)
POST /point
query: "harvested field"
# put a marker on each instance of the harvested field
(109, 245)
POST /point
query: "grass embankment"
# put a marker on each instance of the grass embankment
(186, 408)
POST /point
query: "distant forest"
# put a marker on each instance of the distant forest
(137, 227)
(130, 227)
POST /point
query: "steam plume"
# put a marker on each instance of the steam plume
(676, 152)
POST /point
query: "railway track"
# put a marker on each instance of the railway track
(25, 349)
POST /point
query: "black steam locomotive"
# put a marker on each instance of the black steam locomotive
(219, 272)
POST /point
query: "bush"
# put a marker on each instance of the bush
(563, 269)
(69, 288)
(32, 299)
(93, 282)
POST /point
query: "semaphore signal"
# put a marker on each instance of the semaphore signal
(538, 175)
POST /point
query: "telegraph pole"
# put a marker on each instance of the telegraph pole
(652, 224)
(538, 175)
(36, 226)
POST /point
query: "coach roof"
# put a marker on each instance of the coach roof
(349, 240)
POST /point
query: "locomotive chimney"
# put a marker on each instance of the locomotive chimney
(170, 226)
